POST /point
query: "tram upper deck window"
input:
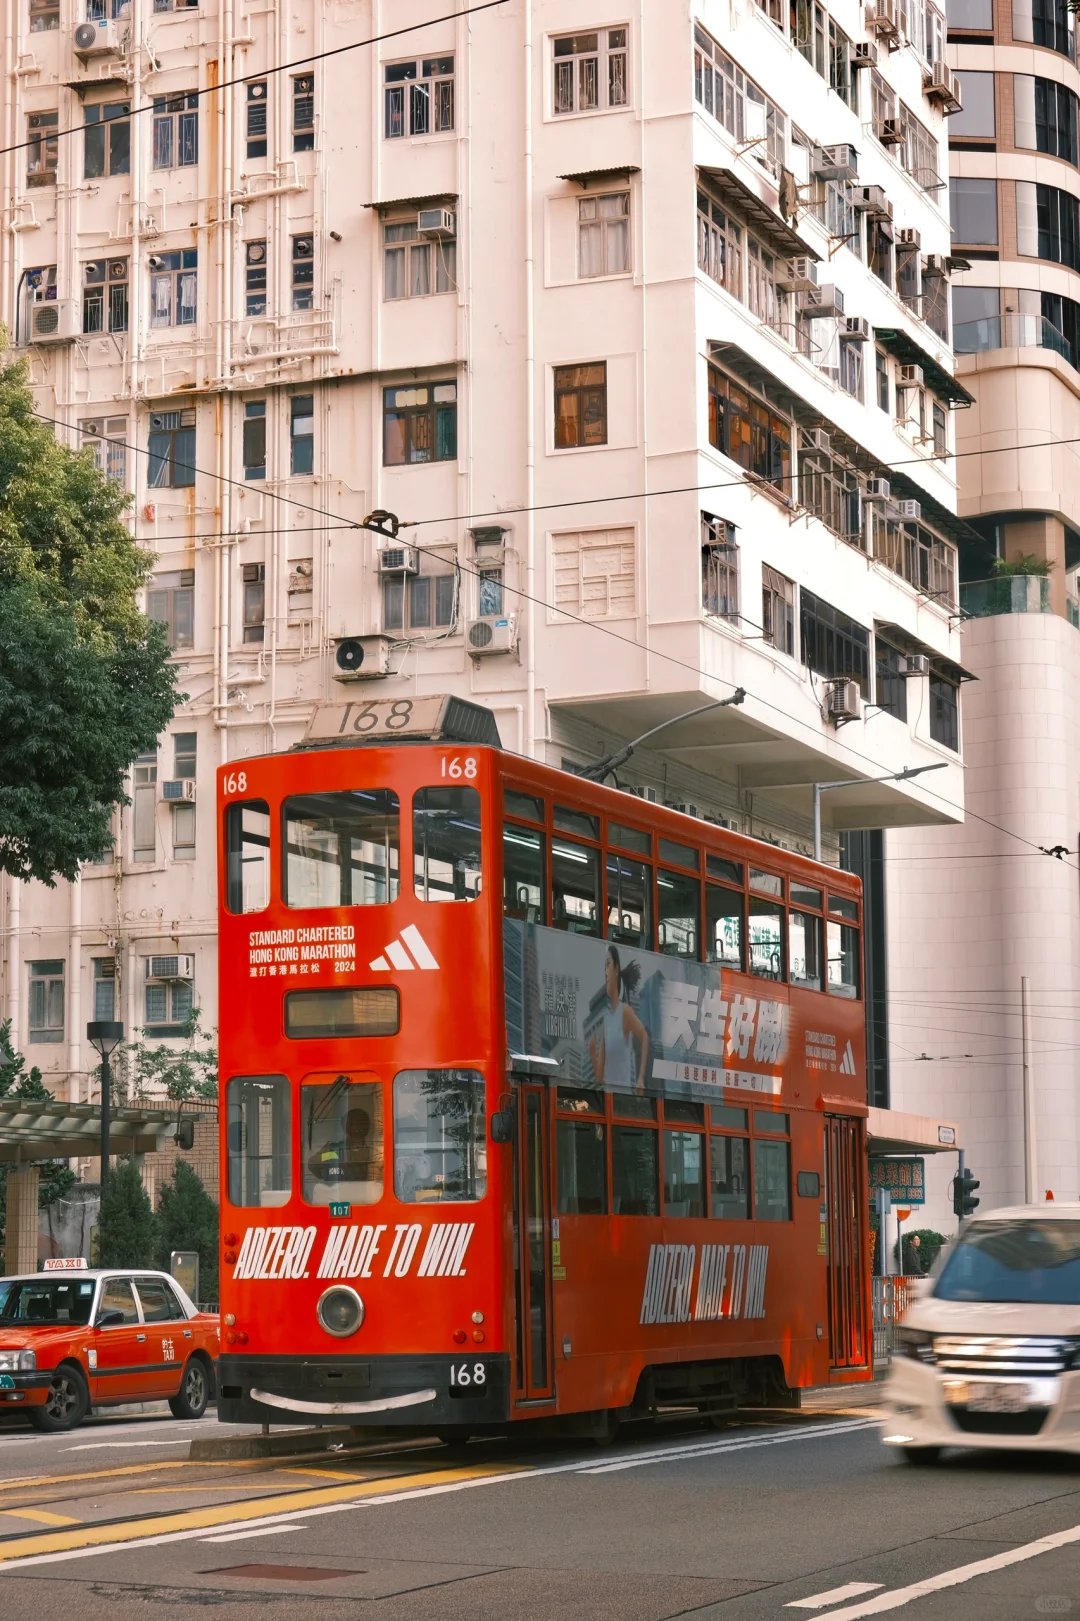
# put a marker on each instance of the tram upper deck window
(523, 873)
(843, 955)
(342, 849)
(527, 806)
(440, 1142)
(678, 906)
(341, 1139)
(629, 901)
(766, 938)
(247, 846)
(575, 887)
(629, 838)
(804, 949)
(446, 844)
(259, 1135)
(724, 926)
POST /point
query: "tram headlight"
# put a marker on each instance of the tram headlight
(340, 1311)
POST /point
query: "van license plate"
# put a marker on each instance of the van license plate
(985, 1398)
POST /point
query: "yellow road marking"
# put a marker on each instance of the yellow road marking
(331, 1474)
(42, 1515)
(87, 1536)
(25, 1483)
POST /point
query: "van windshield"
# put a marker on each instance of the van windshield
(1019, 1262)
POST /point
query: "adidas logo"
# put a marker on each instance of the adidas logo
(395, 955)
(847, 1063)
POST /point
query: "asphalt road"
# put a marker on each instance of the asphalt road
(776, 1516)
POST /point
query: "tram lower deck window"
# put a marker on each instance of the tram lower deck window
(342, 1135)
(635, 1177)
(772, 1181)
(342, 849)
(440, 1136)
(729, 1192)
(259, 1135)
(684, 1173)
(581, 1157)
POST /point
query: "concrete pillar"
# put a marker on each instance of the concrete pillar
(75, 1030)
(22, 1219)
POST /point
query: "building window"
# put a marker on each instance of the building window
(254, 601)
(977, 17)
(107, 139)
(174, 279)
(735, 101)
(580, 405)
(879, 244)
(414, 266)
(176, 131)
(420, 602)
(829, 487)
(850, 369)
(719, 244)
(891, 695)
(973, 209)
(1045, 115)
(420, 424)
(175, 5)
(939, 428)
(977, 117)
(104, 987)
(1047, 224)
(589, 71)
(144, 804)
(881, 373)
(944, 712)
(750, 432)
(44, 14)
(935, 304)
(604, 234)
(832, 643)
(915, 553)
(919, 151)
(841, 78)
(777, 610)
(47, 1000)
(105, 296)
(168, 1005)
(299, 593)
(172, 450)
(185, 754)
(42, 151)
(256, 119)
(763, 297)
(808, 33)
(170, 601)
(882, 102)
(255, 439)
(419, 97)
(907, 277)
(106, 438)
(1044, 22)
(491, 591)
(183, 832)
(595, 573)
(255, 277)
(99, 11)
(302, 433)
(303, 113)
(719, 568)
(303, 272)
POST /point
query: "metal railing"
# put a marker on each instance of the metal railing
(1006, 594)
(892, 1296)
(1011, 332)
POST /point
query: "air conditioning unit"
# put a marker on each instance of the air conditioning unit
(797, 276)
(882, 18)
(843, 701)
(182, 967)
(399, 560)
(908, 238)
(915, 664)
(864, 54)
(822, 301)
(942, 85)
(834, 162)
(55, 320)
(909, 511)
(890, 132)
(817, 439)
(936, 264)
(856, 329)
(872, 200)
(494, 633)
(439, 223)
(97, 39)
(362, 658)
(876, 489)
(179, 790)
(911, 377)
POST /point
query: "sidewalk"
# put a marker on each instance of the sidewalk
(853, 1401)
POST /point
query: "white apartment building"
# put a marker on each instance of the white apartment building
(635, 317)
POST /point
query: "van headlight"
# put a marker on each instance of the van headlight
(340, 1311)
(915, 1343)
(12, 1361)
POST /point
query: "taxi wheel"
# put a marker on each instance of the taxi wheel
(922, 1455)
(67, 1402)
(194, 1391)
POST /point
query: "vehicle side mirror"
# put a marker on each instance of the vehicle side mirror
(109, 1319)
(503, 1126)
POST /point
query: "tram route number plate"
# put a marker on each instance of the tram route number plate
(468, 1379)
(375, 717)
(340, 1209)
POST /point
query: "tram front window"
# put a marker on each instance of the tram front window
(342, 849)
(440, 1143)
(342, 1129)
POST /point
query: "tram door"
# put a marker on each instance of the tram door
(846, 1216)
(532, 1228)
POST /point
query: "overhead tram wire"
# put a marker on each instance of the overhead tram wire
(542, 602)
(285, 67)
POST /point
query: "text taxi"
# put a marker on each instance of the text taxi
(80, 1338)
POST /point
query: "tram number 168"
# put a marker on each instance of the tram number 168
(468, 1379)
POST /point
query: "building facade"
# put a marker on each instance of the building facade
(638, 323)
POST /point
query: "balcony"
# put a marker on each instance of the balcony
(1011, 332)
(1006, 594)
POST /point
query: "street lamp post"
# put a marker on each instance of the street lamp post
(105, 1035)
(853, 782)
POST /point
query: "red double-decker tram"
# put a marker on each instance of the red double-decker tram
(540, 1101)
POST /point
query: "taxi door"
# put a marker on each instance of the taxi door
(169, 1338)
(118, 1346)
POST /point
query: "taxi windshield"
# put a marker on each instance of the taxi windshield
(47, 1300)
(1021, 1262)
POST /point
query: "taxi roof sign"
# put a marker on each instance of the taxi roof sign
(66, 1263)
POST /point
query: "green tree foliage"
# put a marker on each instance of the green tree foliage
(127, 1226)
(85, 679)
(146, 1074)
(19, 1082)
(188, 1220)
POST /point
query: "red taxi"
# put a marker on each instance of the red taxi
(74, 1340)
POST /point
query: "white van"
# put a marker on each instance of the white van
(988, 1354)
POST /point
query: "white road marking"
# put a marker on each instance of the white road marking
(959, 1575)
(819, 1601)
(115, 1446)
(266, 1531)
(273, 1521)
(704, 1449)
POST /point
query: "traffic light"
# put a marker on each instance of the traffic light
(963, 1194)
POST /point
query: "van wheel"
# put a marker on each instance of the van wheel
(194, 1391)
(66, 1404)
(923, 1457)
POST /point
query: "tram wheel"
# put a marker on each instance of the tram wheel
(608, 1428)
(451, 1437)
